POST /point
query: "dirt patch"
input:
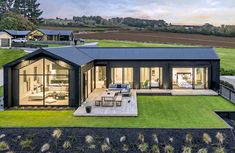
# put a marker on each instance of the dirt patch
(164, 37)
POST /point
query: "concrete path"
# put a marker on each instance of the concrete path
(1, 77)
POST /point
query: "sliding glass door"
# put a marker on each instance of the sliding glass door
(150, 77)
(100, 76)
(190, 78)
(122, 75)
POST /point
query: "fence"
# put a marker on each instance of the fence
(227, 93)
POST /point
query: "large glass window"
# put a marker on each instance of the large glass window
(150, 77)
(44, 82)
(122, 75)
(183, 78)
(188, 78)
(100, 76)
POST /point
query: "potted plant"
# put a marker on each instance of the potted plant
(88, 109)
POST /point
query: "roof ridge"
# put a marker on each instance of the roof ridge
(84, 53)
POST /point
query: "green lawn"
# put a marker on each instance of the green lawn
(8, 55)
(1, 91)
(154, 112)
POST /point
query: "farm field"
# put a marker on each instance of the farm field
(164, 37)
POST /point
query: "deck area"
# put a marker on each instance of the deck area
(129, 104)
(127, 109)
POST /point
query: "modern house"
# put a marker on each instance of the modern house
(66, 76)
(5, 39)
(51, 35)
(18, 34)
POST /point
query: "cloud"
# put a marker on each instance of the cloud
(174, 11)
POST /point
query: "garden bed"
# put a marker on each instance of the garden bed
(115, 139)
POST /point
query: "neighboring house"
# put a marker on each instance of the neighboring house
(5, 39)
(18, 34)
(66, 76)
(51, 35)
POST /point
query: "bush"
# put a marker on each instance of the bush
(220, 137)
(125, 147)
(105, 147)
(4, 146)
(206, 138)
(143, 147)
(67, 145)
(203, 150)
(187, 149)
(219, 150)
(141, 137)
(168, 149)
(155, 149)
(26, 143)
(89, 139)
(57, 133)
(189, 138)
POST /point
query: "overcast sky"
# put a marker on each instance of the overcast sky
(174, 11)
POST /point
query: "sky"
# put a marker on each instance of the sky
(195, 12)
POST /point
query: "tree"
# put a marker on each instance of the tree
(5, 6)
(20, 7)
(15, 21)
(33, 11)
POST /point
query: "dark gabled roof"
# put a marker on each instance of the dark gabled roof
(18, 33)
(71, 54)
(151, 53)
(83, 55)
(56, 32)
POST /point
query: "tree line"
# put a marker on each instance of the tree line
(20, 14)
(141, 24)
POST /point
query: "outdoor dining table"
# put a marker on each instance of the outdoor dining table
(108, 97)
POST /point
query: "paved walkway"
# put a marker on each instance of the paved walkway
(1, 77)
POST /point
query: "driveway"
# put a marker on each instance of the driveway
(1, 77)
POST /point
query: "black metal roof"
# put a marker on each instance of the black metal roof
(83, 55)
(56, 32)
(17, 33)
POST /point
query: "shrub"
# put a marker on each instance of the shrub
(189, 138)
(155, 138)
(105, 147)
(26, 143)
(57, 133)
(141, 137)
(220, 137)
(203, 150)
(143, 147)
(206, 138)
(171, 139)
(187, 149)
(155, 149)
(92, 146)
(67, 145)
(89, 139)
(4, 146)
(168, 149)
(219, 150)
(125, 147)
(123, 139)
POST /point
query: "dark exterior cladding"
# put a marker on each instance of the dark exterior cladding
(83, 59)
